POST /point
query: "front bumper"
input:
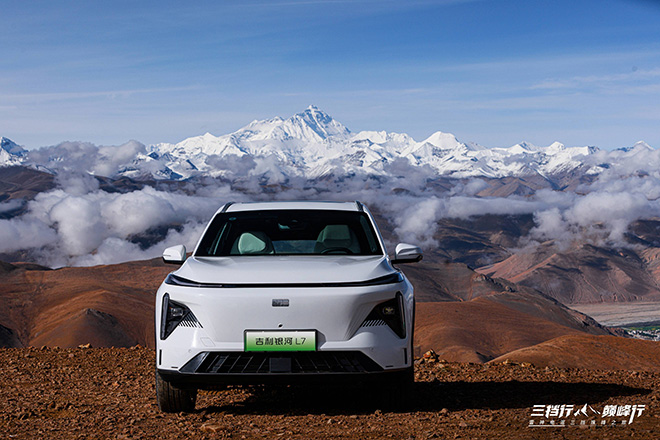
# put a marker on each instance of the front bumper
(209, 370)
(212, 349)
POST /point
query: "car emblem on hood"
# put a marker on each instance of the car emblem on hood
(280, 303)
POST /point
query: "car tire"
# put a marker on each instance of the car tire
(396, 391)
(404, 385)
(172, 399)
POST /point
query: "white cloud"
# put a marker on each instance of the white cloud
(84, 157)
(418, 222)
(10, 205)
(79, 223)
(91, 226)
(18, 234)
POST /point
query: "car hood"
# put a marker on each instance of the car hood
(280, 269)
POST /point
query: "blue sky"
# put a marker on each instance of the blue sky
(495, 72)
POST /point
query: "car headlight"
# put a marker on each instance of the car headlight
(392, 313)
(174, 314)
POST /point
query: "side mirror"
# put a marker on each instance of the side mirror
(175, 254)
(407, 253)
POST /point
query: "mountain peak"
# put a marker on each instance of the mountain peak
(524, 148)
(11, 147)
(555, 147)
(446, 141)
(11, 153)
(528, 146)
(314, 112)
(322, 124)
(643, 146)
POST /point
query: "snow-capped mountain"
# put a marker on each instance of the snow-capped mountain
(301, 144)
(10, 152)
(312, 144)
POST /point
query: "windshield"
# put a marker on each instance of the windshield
(289, 232)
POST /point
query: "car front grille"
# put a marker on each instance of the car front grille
(318, 362)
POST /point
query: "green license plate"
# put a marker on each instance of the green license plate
(277, 340)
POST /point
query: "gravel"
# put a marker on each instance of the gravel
(52, 393)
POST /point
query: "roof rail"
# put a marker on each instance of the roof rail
(226, 207)
(360, 207)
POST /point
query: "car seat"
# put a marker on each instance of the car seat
(252, 243)
(336, 236)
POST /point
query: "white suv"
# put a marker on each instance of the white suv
(283, 292)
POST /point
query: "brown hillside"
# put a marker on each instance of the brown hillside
(583, 273)
(103, 305)
(481, 319)
(488, 327)
(18, 182)
(444, 280)
(590, 352)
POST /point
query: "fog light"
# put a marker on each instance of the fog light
(388, 311)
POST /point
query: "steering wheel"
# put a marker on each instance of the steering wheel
(336, 249)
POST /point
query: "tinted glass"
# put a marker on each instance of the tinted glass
(289, 232)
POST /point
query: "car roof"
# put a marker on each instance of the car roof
(262, 206)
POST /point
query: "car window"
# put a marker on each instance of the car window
(290, 232)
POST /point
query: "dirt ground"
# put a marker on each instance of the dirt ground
(91, 393)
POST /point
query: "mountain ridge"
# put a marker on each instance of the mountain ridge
(312, 144)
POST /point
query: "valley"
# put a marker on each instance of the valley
(637, 314)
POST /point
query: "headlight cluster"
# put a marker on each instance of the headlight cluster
(174, 314)
(393, 313)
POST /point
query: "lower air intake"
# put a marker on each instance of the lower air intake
(318, 362)
(373, 323)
